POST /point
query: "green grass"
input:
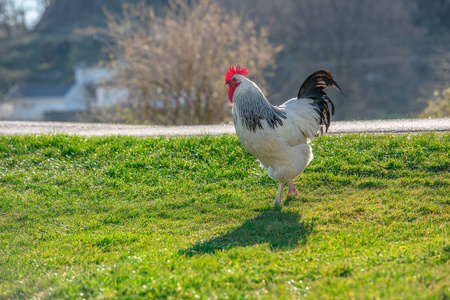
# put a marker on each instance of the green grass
(124, 217)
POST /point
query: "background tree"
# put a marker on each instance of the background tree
(174, 66)
(434, 46)
(12, 19)
(365, 44)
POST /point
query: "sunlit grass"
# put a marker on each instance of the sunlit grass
(124, 217)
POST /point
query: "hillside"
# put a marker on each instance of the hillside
(67, 15)
(49, 53)
(45, 58)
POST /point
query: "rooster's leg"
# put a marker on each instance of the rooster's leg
(292, 190)
(279, 192)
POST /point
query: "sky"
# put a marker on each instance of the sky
(33, 11)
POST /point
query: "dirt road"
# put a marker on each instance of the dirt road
(88, 129)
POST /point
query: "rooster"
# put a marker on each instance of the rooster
(278, 136)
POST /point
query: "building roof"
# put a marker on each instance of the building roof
(38, 91)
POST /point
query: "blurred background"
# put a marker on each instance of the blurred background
(164, 62)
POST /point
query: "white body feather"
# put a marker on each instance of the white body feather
(282, 149)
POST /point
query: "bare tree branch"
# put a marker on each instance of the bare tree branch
(174, 65)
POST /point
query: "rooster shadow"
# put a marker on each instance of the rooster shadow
(281, 230)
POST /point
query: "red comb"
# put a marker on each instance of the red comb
(232, 71)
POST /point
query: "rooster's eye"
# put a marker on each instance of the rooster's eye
(232, 81)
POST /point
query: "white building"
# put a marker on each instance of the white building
(31, 102)
(56, 102)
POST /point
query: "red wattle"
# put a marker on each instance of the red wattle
(230, 93)
(233, 84)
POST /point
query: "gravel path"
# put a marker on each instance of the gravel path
(89, 129)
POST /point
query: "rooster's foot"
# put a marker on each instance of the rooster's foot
(292, 190)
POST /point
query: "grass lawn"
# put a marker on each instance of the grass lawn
(187, 218)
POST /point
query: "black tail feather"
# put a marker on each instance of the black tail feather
(314, 88)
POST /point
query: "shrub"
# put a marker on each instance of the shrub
(174, 66)
(439, 106)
